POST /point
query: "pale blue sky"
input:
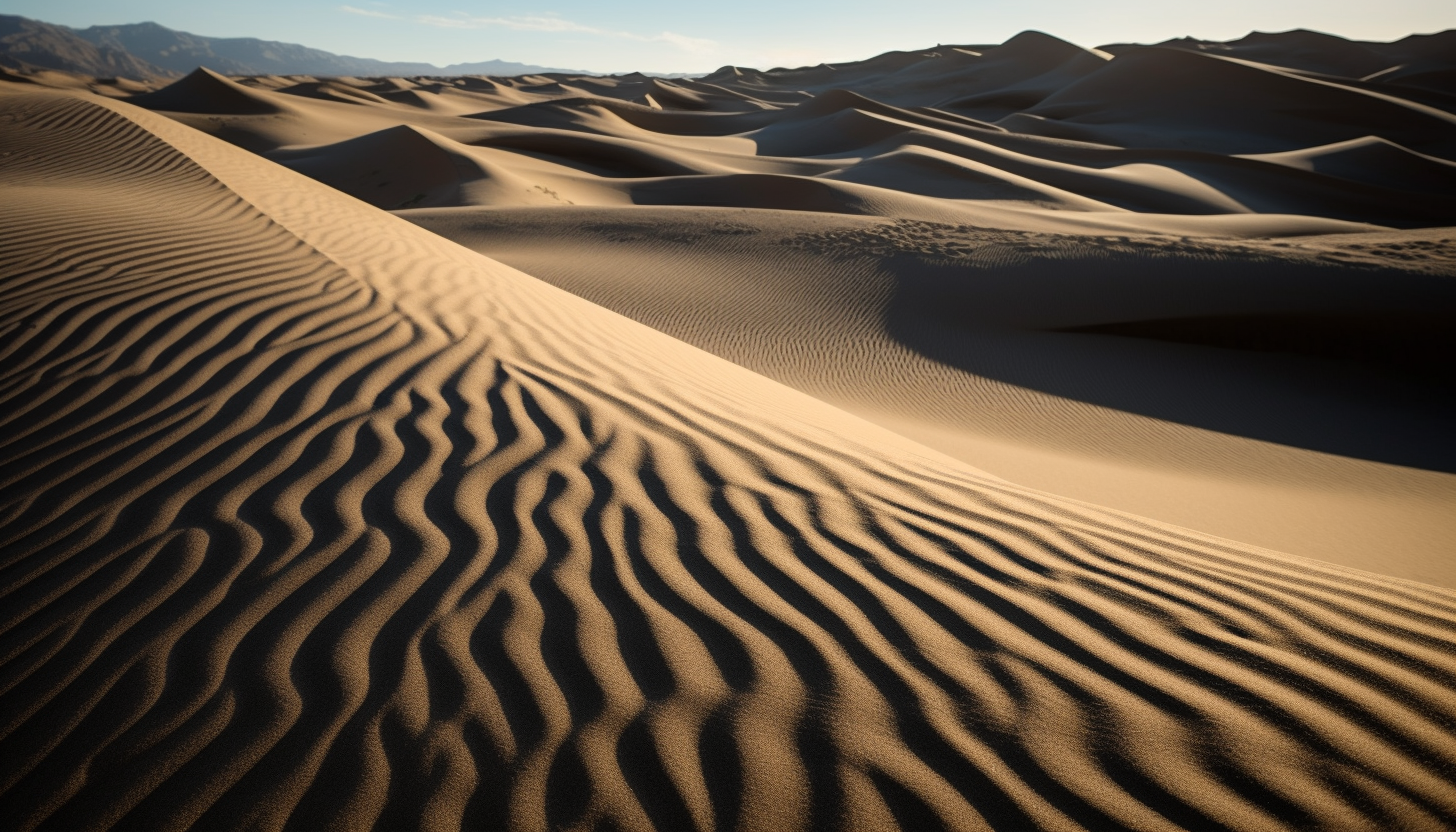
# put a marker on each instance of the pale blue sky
(686, 36)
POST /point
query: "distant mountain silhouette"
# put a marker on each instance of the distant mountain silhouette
(25, 42)
(150, 50)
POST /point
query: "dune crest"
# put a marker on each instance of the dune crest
(206, 92)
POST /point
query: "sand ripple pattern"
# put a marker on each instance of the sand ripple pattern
(287, 543)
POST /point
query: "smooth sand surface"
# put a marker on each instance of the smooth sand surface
(972, 497)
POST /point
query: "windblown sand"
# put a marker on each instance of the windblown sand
(311, 518)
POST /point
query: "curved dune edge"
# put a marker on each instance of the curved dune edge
(313, 520)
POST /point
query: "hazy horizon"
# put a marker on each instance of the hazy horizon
(661, 37)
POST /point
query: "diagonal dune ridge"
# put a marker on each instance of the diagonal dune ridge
(311, 519)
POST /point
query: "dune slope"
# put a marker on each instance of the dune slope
(1289, 393)
(311, 519)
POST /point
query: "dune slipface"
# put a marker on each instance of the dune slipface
(312, 519)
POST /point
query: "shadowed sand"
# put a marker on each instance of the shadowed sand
(312, 519)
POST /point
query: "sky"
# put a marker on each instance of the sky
(686, 36)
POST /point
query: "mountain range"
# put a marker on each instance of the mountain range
(150, 50)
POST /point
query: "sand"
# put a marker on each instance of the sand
(883, 456)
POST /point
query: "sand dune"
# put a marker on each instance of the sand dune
(311, 518)
(1196, 411)
(1169, 97)
(417, 534)
(204, 91)
(1158, 131)
(1018, 353)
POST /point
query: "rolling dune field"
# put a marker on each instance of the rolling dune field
(975, 438)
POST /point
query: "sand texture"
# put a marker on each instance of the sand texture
(317, 517)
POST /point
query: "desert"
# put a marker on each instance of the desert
(1014, 436)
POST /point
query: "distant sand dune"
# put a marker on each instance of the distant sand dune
(311, 519)
(1172, 131)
